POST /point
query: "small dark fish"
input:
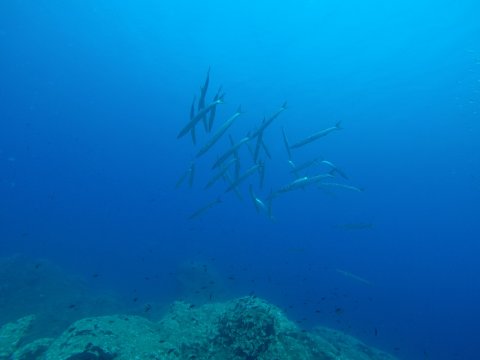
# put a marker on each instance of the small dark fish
(135, 299)
(147, 308)
(339, 311)
(72, 306)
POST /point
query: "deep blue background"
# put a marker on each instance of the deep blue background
(93, 93)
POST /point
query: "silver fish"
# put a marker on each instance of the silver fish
(316, 136)
(215, 137)
(286, 143)
(201, 100)
(265, 123)
(211, 118)
(205, 208)
(193, 122)
(244, 176)
(335, 169)
(229, 152)
(344, 186)
(220, 174)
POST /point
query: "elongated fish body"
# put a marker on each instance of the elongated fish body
(205, 208)
(259, 204)
(266, 123)
(335, 169)
(235, 190)
(219, 175)
(192, 115)
(257, 147)
(192, 175)
(262, 174)
(229, 152)
(181, 179)
(201, 100)
(296, 169)
(319, 178)
(253, 198)
(203, 91)
(316, 136)
(286, 143)
(222, 130)
(211, 118)
(265, 148)
(302, 182)
(296, 184)
(344, 186)
(354, 277)
(193, 122)
(237, 157)
(243, 177)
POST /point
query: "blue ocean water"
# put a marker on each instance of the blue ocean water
(94, 93)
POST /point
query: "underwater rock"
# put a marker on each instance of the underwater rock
(34, 350)
(29, 286)
(107, 338)
(243, 329)
(349, 347)
(247, 328)
(11, 335)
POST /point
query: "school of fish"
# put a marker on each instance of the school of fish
(228, 164)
